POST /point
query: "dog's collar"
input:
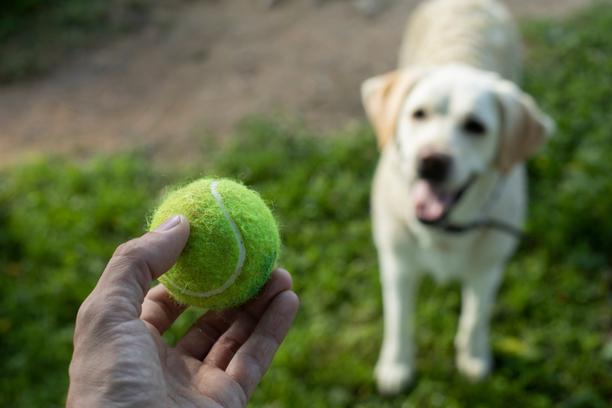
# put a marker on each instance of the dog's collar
(487, 223)
(484, 223)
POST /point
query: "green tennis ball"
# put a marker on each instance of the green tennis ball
(232, 247)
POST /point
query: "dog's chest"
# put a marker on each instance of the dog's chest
(447, 257)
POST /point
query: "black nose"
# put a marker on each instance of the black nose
(434, 167)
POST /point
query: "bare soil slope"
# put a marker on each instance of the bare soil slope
(206, 65)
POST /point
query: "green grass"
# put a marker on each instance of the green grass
(552, 337)
(37, 35)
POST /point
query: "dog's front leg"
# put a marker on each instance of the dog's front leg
(473, 356)
(395, 367)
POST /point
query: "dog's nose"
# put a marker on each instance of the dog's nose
(435, 167)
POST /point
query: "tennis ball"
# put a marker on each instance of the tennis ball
(232, 247)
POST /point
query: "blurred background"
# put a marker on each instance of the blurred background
(104, 103)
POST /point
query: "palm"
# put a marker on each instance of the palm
(210, 366)
(182, 377)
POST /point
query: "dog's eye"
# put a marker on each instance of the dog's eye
(419, 114)
(474, 127)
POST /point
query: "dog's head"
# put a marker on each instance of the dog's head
(450, 125)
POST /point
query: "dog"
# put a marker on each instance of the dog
(449, 192)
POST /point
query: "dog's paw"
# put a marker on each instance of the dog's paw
(473, 367)
(393, 378)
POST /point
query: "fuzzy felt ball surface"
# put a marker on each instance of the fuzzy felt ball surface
(233, 244)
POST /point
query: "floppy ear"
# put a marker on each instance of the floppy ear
(524, 127)
(382, 98)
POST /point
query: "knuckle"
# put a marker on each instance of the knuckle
(86, 313)
(241, 396)
(88, 318)
(131, 249)
(256, 362)
(134, 254)
(231, 344)
(92, 315)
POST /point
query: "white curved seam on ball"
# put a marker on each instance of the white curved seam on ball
(241, 252)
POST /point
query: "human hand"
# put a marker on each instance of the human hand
(120, 358)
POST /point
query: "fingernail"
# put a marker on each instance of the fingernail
(169, 224)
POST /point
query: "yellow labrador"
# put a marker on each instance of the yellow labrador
(449, 192)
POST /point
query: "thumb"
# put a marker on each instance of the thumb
(128, 275)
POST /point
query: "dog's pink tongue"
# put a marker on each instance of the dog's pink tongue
(429, 204)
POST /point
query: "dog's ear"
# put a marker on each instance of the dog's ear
(524, 127)
(382, 98)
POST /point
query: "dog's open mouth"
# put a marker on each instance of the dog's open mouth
(433, 203)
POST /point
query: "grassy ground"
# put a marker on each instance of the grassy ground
(552, 333)
(35, 35)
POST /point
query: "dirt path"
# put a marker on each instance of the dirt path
(206, 66)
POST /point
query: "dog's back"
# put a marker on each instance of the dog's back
(479, 33)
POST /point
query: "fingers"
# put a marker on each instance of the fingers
(200, 338)
(159, 309)
(280, 280)
(205, 332)
(126, 279)
(228, 344)
(253, 358)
